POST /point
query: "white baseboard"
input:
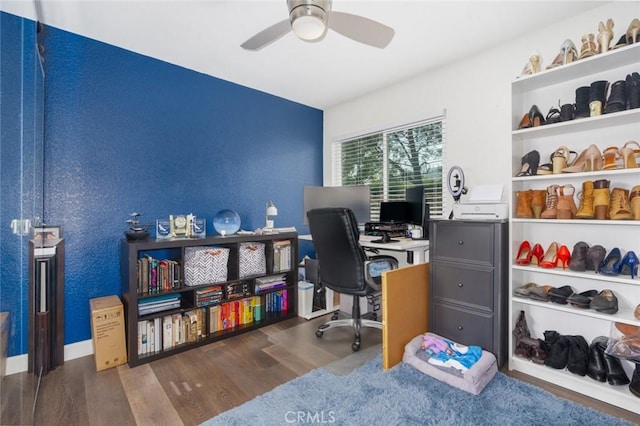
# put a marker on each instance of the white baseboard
(20, 363)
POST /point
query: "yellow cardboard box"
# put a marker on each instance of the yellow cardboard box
(107, 332)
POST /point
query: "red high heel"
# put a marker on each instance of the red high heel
(564, 255)
(550, 259)
(524, 254)
(536, 254)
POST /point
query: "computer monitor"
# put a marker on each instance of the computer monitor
(357, 198)
(418, 211)
(394, 211)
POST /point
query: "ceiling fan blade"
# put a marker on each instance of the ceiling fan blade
(361, 29)
(267, 36)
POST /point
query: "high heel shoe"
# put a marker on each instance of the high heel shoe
(529, 162)
(632, 31)
(524, 254)
(629, 152)
(537, 252)
(560, 159)
(629, 264)
(564, 256)
(611, 156)
(537, 119)
(605, 35)
(588, 47)
(533, 64)
(550, 259)
(589, 160)
(568, 53)
(610, 265)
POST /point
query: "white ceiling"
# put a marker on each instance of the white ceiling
(205, 36)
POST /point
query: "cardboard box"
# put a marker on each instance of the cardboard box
(4, 341)
(107, 332)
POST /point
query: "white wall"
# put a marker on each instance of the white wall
(476, 94)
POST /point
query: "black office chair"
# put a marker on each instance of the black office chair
(344, 266)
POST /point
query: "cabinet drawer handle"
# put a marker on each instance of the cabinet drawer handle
(460, 242)
(459, 328)
(460, 285)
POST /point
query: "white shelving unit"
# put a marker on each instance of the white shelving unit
(546, 89)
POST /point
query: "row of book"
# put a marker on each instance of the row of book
(160, 303)
(281, 256)
(158, 276)
(168, 331)
(269, 283)
(209, 295)
(164, 333)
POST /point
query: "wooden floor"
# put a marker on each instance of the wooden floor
(191, 387)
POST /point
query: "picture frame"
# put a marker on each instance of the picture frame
(47, 233)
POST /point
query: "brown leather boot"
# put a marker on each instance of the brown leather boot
(523, 207)
(539, 200)
(634, 202)
(601, 198)
(566, 205)
(619, 208)
(551, 209)
(585, 211)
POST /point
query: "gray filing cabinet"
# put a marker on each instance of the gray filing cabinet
(469, 283)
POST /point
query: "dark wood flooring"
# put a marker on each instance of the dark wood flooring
(193, 386)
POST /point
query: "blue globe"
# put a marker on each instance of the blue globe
(226, 222)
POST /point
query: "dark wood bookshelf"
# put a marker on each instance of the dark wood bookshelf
(131, 251)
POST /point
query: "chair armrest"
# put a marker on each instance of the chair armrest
(375, 266)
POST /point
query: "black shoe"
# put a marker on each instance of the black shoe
(559, 295)
(578, 355)
(605, 302)
(567, 112)
(615, 373)
(558, 353)
(582, 300)
(596, 368)
(582, 102)
(595, 254)
(632, 87)
(634, 386)
(617, 97)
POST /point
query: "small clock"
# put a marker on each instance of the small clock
(179, 226)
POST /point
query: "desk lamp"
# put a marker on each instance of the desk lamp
(271, 211)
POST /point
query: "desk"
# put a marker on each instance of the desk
(418, 248)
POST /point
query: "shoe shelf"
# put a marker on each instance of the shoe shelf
(588, 275)
(624, 315)
(619, 396)
(545, 89)
(631, 116)
(601, 62)
(601, 174)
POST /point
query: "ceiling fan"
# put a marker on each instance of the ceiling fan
(310, 20)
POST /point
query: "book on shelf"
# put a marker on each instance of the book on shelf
(158, 303)
(281, 255)
(157, 276)
(270, 283)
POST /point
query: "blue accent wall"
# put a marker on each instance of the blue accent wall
(125, 132)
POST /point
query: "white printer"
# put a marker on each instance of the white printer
(485, 203)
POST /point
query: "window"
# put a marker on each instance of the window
(392, 160)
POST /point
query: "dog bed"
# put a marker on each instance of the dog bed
(473, 380)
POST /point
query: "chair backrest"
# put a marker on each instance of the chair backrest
(341, 258)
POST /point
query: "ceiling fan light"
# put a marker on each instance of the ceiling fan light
(308, 21)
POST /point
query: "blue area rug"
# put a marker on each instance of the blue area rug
(404, 396)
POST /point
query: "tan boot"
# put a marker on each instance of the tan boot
(601, 199)
(523, 207)
(585, 211)
(539, 200)
(566, 205)
(634, 202)
(551, 209)
(619, 208)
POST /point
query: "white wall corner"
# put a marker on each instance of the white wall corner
(20, 363)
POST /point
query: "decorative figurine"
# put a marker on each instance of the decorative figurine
(136, 231)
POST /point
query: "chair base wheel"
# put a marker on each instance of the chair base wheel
(334, 316)
(319, 333)
(355, 346)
